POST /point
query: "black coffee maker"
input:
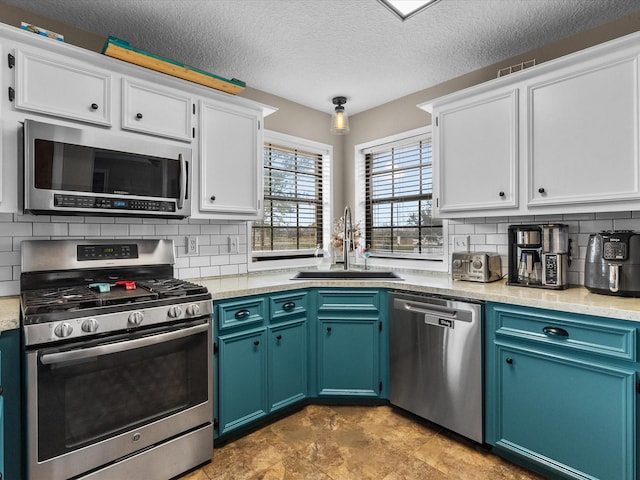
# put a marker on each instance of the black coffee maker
(525, 255)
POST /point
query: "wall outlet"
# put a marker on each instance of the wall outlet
(233, 244)
(192, 245)
(461, 243)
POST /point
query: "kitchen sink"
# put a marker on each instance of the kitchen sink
(345, 275)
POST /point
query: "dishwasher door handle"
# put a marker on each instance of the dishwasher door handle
(430, 310)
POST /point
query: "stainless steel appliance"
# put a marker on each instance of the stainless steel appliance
(539, 255)
(118, 379)
(92, 171)
(476, 266)
(525, 248)
(555, 256)
(436, 360)
(612, 266)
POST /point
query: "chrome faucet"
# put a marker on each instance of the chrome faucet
(347, 237)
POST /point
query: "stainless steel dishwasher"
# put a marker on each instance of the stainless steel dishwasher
(436, 360)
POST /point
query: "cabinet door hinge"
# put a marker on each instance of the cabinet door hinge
(637, 387)
(12, 60)
(12, 94)
(379, 325)
(436, 121)
(216, 424)
(194, 108)
(259, 125)
(215, 348)
(193, 133)
(380, 387)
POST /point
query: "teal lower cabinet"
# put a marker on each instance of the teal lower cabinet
(10, 428)
(561, 392)
(260, 365)
(287, 364)
(242, 383)
(275, 351)
(349, 331)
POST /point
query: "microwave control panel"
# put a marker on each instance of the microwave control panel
(111, 203)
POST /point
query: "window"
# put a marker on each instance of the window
(295, 177)
(398, 200)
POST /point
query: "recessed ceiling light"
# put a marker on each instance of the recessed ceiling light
(407, 8)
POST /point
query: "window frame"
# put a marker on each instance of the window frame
(298, 258)
(395, 260)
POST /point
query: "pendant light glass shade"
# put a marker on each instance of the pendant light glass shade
(339, 118)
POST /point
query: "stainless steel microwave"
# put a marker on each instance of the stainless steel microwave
(90, 171)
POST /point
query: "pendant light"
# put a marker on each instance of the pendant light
(339, 119)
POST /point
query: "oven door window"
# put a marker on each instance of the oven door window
(81, 402)
(76, 168)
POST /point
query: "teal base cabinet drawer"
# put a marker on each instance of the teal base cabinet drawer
(564, 406)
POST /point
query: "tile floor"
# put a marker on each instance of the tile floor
(354, 443)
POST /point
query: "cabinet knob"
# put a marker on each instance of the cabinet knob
(329, 329)
(212, 198)
(94, 106)
(256, 343)
(501, 194)
(279, 337)
(138, 116)
(541, 190)
(509, 360)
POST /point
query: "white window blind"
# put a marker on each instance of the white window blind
(398, 200)
(293, 209)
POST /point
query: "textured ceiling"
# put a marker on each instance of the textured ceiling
(309, 51)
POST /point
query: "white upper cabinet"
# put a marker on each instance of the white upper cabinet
(230, 160)
(583, 134)
(476, 153)
(57, 85)
(560, 137)
(157, 111)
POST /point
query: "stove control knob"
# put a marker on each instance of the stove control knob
(193, 309)
(90, 325)
(135, 318)
(175, 312)
(63, 330)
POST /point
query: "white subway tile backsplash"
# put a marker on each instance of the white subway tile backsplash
(6, 273)
(594, 226)
(491, 234)
(50, 229)
(212, 242)
(84, 230)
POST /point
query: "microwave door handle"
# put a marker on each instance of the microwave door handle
(92, 352)
(183, 181)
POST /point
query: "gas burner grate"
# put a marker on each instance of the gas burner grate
(59, 299)
(172, 287)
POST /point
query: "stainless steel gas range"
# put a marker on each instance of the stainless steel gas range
(117, 361)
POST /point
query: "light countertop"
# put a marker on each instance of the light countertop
(574, 299)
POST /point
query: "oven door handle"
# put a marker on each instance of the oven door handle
(83, 353)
